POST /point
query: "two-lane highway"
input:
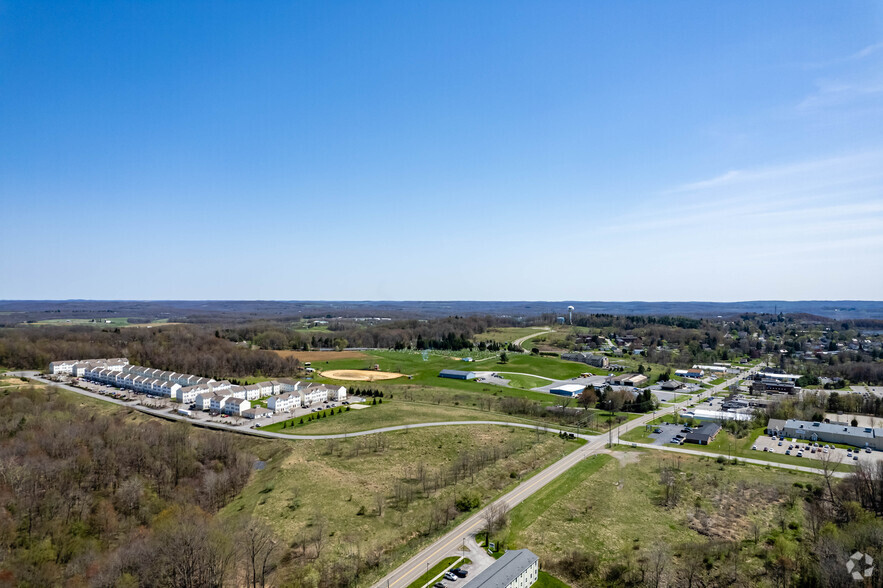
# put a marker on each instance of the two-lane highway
(416, 566)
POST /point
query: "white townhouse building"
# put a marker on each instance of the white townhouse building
(188, 394)
(252, 392)
(236, 406)
(322, 393)
(217, 386)
(236, 392)
(204, 400)
(62, 367)
(269, 388)
(284, 402)
(289, 385)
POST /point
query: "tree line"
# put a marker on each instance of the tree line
(189, 349)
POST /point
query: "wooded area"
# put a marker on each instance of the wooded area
(106, 499)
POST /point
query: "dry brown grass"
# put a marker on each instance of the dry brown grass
(361, 375)
(322, 355)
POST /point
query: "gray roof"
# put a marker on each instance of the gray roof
(830, 428)
(503, 571)
(704, 433)
(455, 373)
(776, 425)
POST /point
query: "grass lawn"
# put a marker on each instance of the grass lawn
(525, 382)
(525, 514)
(547, 580)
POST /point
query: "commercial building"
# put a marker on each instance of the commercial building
(671, 385)
(456, 375)
(704, 434)
(570, 390)
(714, 415)
(518, 568)
(627, 380)
(691, 373)
(829, 433)
(591, 359)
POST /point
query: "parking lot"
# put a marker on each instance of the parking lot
(817, 450)
(667, 434)
(767, 444)
(160, 403)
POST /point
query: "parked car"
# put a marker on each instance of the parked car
(438, 585)
(780, 443)
(754, 447)
(799, 454)
(460, 573)
(787, 452)
(450, 576)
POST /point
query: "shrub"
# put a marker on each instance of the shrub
(467, 501)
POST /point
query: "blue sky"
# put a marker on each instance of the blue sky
(441, 150)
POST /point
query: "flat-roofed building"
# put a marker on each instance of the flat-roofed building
(569, 390)
(834, 433)
(518, 568)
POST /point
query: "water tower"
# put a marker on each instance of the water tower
(570, 312)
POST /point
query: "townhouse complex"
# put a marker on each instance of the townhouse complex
(206, 393)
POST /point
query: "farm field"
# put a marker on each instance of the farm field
(322, 356)
(103, 323)
(363, 503)
(614, 507)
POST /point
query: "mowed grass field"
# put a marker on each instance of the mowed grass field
(364, 495)
(524, 382)
(612, 505)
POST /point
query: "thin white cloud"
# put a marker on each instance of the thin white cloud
(856, 56)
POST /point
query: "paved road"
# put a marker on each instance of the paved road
(520, 341)
(244, 429)
(417, 565)
(485, 374)
(440, 548)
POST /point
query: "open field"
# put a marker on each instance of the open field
(507, 334)
(104, 323)
(391, 413)
(361, 375)
(613, 506)
(322, 355)
(524, 382)
(339, 502)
